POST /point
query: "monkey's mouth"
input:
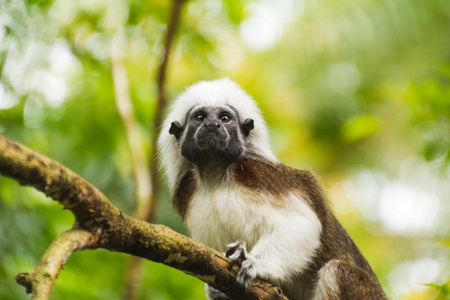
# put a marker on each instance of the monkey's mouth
(211, 140)
(208, 147)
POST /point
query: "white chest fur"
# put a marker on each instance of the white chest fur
(223, 216)
(287, 235)
(282, 232)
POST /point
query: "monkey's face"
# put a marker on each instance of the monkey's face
(212, 135)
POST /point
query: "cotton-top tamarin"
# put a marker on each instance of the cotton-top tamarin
(230, 189)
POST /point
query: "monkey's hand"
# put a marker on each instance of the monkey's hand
(250, 268)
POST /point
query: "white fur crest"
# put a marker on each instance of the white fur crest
(221, 92)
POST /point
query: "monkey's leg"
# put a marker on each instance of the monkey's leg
(342, 280)
(213, 294)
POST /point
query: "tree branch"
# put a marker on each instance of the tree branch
(126, 112)
(41, 279)
(116, 231)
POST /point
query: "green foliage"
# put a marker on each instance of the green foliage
(430, 106)
(444, 290)
(358, 90)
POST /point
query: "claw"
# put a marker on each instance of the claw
(248, 272)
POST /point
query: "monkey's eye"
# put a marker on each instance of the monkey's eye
(225, 118)
(200, 118)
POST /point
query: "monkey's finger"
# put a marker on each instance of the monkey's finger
(245, 279)
(239, 254)
(236, 244)
(248, 272)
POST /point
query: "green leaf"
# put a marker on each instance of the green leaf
(359, 127)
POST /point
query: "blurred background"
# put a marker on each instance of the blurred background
(358, 90)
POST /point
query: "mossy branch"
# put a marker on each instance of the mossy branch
(40, 280)
(99, 224)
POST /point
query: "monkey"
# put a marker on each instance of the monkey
(235, 196)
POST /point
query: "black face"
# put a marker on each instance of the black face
(213, 135)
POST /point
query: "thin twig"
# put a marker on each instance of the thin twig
(126, 112)
(162, 98)
(40, 280)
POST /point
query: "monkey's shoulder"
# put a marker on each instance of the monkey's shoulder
(185, 189)
(274, 177)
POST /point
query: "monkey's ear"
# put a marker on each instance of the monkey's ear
(247, 126)
(176, 129)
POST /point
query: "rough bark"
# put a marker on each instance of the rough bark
(99, 224)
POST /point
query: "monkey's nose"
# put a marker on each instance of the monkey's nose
(212, 125)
